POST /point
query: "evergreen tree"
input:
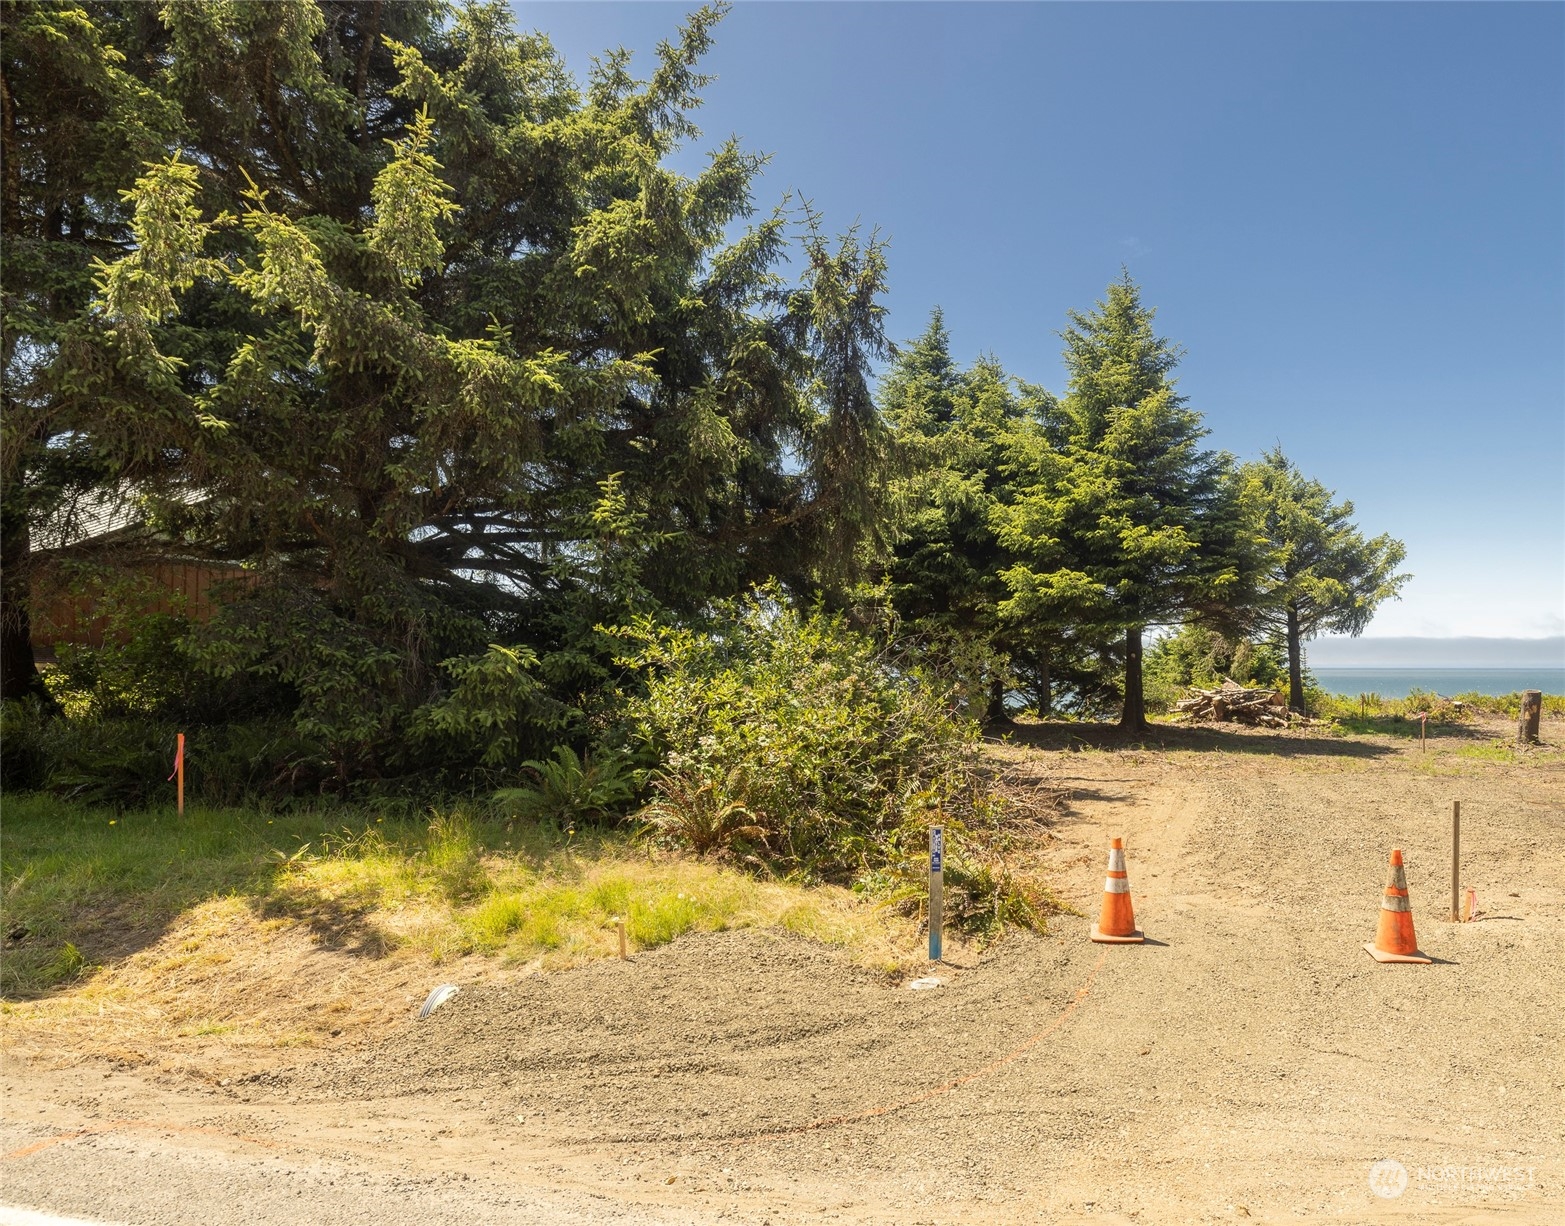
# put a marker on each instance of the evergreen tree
(955, 428)
(77, 124)
(1126, 523)
(413, 327)
(1197, 655)
(1322, 574)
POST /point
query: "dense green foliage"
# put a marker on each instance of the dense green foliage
(78, 125)
(1373, 712)
(955, 429)
(568, 787)
(535, 470)
(1124, 522)
(824, 752)
(398, 307)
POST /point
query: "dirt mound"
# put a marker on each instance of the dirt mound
(778, 1032)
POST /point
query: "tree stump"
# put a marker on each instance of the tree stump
(1532, 712)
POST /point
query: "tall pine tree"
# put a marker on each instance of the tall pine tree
(77, 124)
(1126, 524)
(955, 428)
(1322, 573)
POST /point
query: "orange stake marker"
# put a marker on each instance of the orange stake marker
(1394, 940)
(179, 773)
(1117, 922)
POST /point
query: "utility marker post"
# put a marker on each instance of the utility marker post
(937, 881)
(1456, 861)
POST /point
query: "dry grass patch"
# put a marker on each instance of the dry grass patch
(227, 933)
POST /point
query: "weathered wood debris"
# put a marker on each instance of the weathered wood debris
(1232, 701)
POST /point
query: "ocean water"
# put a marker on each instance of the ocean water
(1400, 682)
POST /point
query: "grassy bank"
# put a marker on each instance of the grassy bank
(1453, 708)
(102, 905)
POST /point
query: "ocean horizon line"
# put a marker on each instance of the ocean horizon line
(1397, 681)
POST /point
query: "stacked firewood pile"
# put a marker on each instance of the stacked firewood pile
(1232, 701)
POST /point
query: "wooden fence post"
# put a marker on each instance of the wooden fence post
(1531, 713)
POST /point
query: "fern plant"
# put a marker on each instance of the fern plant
(698, 814)
(569, 787)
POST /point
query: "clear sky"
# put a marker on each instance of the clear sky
(1351, 215)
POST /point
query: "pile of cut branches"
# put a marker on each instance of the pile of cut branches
(1237, 703)
(1030, 797)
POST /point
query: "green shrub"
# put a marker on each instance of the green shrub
(122, 764)
(981, 893)
(125, 762)
(24, 745)
(1451, 709)
(832, 731)
(1511, 704)
(495, 704)
(1439, 710)
(825, 753)
(139, 666)
(1368, 711)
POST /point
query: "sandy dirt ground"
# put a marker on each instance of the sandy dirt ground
(1250, 1062)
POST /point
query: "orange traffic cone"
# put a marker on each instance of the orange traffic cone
(1394, 939)
(1117, 922)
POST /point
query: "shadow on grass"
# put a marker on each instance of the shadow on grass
(1074, 737)
(335, 924)
(85, 887)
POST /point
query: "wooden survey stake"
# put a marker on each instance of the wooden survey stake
(1456, 861)
(179, 774)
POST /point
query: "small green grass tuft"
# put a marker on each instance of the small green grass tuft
(67, 965)
(658, 902)
(1494, 751)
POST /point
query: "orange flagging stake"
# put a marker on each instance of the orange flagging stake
(1394, 939)
(1117, 922)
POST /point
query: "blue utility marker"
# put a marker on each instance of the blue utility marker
(937, 856)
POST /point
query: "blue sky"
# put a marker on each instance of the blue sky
(1351, 215)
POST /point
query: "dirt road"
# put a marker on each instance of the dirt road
(1249, 1062)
